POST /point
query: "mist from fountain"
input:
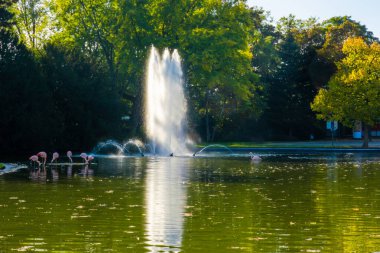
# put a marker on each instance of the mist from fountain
(165, 104)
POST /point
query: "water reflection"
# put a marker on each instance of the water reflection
(69, 171)
(86, 171)
(38, 174)
(165, 200)
(56, 173)
(126, 167)
(147, 204)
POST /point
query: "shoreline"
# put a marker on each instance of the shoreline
(300, 145)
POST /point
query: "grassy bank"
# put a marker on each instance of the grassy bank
(295, 144)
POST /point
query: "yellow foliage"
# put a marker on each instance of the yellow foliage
(353, 93)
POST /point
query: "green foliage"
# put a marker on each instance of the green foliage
(290, 86)
(5, 14)
(212, 36)
(70, 69)
(87, 105)
(88, 26)
(32, 22)
(23, 98)
(61, 99)
(218, 57)
(304, 55)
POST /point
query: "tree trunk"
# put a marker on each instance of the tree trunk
(365, 139)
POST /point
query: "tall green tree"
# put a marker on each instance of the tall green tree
(353, 93)
(217, 55)
(212, 36)
(289, 83)
(87, 105)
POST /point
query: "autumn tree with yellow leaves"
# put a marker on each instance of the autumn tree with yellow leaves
(353, 93)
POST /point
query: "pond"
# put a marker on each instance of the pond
(284, 203)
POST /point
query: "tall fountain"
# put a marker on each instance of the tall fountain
(165, 103)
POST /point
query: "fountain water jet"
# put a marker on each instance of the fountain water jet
(131, 146)
(213, 146)
(165, 103)
(109, 143)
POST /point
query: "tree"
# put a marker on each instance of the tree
(217, 54)
(87, 106)
(32, 22)
(353, 93)
(25, 101)
(336, 31)
(88, 26)
(289, 84)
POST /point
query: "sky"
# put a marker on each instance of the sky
(367, 12)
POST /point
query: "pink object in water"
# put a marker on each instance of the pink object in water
(254, 157)
(43, 155)
(69, 155)
(34, 158)
(55, 157)
(84, 156)
(89, 159)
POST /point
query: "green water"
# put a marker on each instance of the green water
(282, 204)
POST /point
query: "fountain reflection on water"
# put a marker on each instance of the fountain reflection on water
(163, 204)
(165, 201)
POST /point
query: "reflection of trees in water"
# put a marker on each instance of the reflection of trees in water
(129, 167)
(295, 207)
(218, 205)
(348, 206)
